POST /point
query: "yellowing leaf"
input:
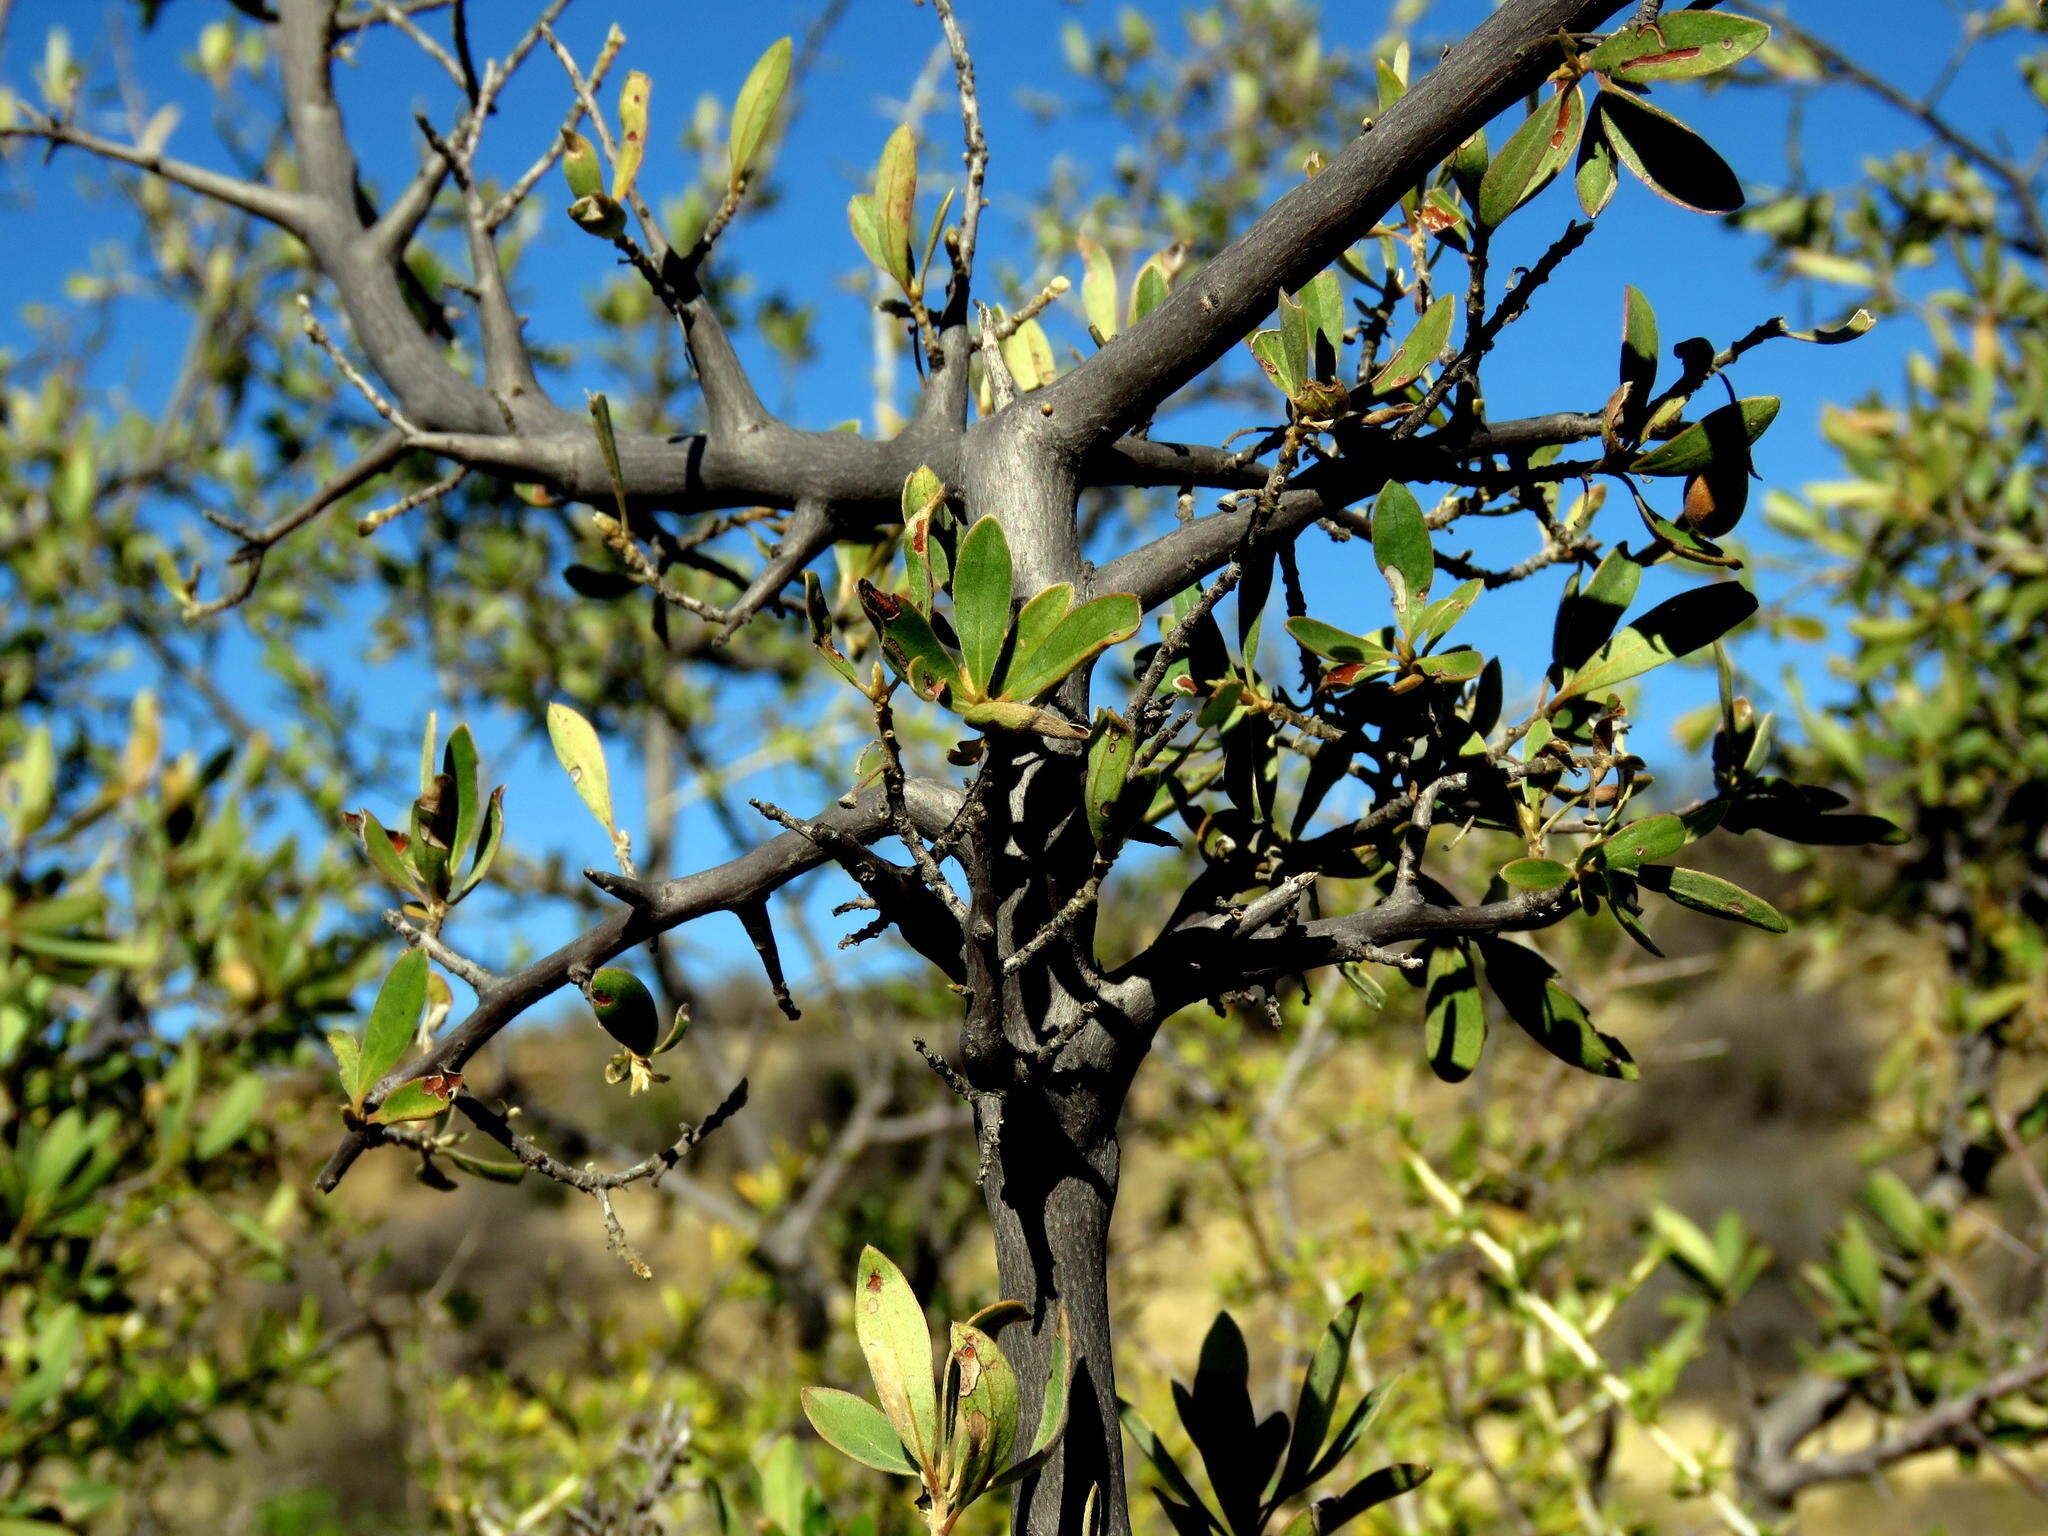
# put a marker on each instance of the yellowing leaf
(582, 757)
(632, 134)
(1098, 288)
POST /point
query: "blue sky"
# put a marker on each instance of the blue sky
(1701, 278)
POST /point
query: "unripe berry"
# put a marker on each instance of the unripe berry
(625, 1008)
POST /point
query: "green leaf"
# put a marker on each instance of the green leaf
(1533, 154)
(1052, 1416)
(1714, 896)
(1316, 1405)
(64, 1144)
(487, 1168)
(855, 1427)
(1682, 542)
(1676, 627)
(1327, 1515)
(1468, 164)
(1400, 546)
(864, 216)
(581, 755)
(1355, 1425)
(1322, 305)
(923, 493)
(1098, 288)
(1690, 1246)
(1913, 1224)
(1643, 842)
(1535, 874)
(428, 737)
(489, 837)
(1363, 986)
(1169, 1471)
(898, 1346)
(753, 110)
(1595, 179)
(411, 1101)
(348, 1056)
(1857, 324)
(1459, 666)
(393, 1018)
(924, 557)
(231, 1118)
(1419, 349)
(56, 1349)
(1441, 616)
(985, 1405)
(1638, 360)
(1860, 1269)
(1010, 715)
(1148, 289)
(981, 601)
(787, 1496)
(459, 763)
(1724, 433)
(1278, 356)
(598, 585)
(1586, 619)
(1028, 353)
(908, 641)
(385, 857)
(1079, 637)
(1454, 1018)
(1298, 338)
(1109, 768)
(1669, 158)
(1059, 1379)
(1391, 86)
(895, 199)
(1682, 45)
(1039, 618)
(1527, 988)
(931, 237)
(581, 166)
(1335, 644)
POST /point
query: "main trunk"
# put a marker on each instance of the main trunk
(1052, 1065)
(1050, 1197)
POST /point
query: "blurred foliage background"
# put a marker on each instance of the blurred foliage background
(1828, 1182)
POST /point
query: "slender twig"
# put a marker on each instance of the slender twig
(1511, 308)
(1075, 907)
(892, 787)
(976, 156)
(649, 1169)
(317, 334)
(480, 978)
(430, 45)
(419, 498)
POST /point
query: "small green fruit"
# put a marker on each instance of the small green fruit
(625, 1008)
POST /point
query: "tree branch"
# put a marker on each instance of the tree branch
(284, 209)
(662, 906)
(1202, 957)
(1177, 559)
(589, 1181)
(1208, 314)
(1780, 1477)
